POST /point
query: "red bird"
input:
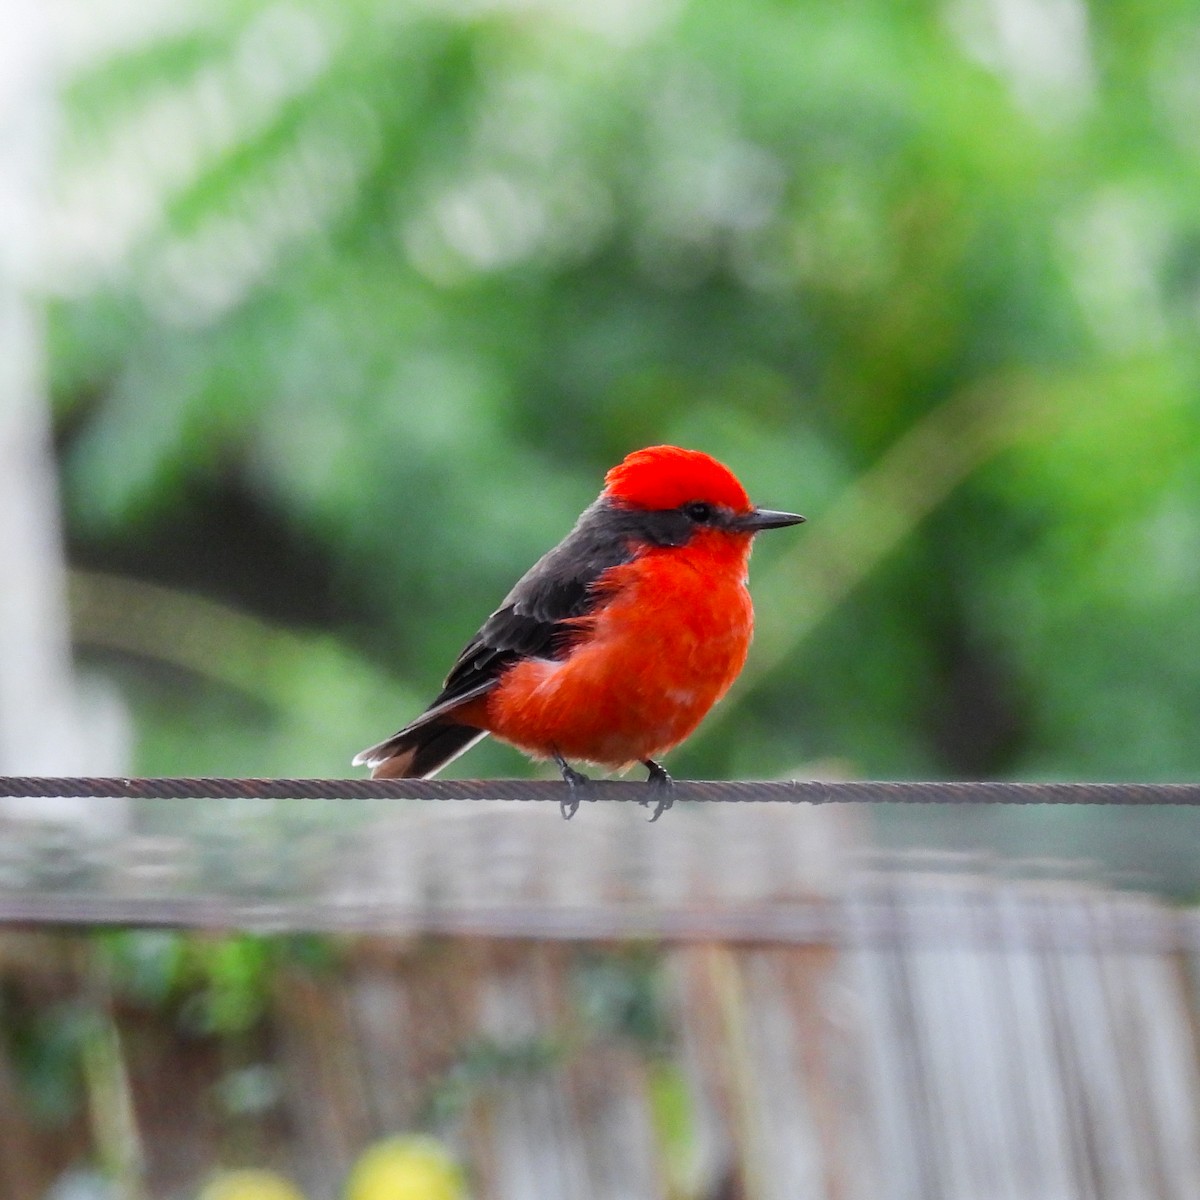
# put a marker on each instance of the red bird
(615, 644)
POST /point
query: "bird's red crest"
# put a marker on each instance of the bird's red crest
(667, 477)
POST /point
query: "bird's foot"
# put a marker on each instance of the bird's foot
(662, 787)
(575, 781)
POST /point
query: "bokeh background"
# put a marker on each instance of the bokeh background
(349, 306)
(321, 320)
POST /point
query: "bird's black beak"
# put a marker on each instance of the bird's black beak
(764, 518)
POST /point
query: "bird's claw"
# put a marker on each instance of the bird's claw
(575, 780)
(660, 787)
(570, 802)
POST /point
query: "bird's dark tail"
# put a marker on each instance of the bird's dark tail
(419, 751)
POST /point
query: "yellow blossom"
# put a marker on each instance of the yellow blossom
(405, 1168)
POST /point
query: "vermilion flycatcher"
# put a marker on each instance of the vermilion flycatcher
(615, 644)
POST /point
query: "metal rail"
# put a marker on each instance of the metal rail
(971, 918)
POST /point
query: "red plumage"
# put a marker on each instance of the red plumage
(667, 477)
(615, 645)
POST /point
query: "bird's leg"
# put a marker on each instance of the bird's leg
(661, 784)
(574, 781)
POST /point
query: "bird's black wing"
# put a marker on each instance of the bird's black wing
(531, 623)
(532, 620)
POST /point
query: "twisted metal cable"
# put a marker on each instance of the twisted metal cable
(685, 791)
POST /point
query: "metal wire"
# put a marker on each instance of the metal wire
(685, 791)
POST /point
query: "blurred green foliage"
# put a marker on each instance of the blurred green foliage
(355, 302)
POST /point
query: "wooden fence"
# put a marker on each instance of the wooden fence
(788, 1019)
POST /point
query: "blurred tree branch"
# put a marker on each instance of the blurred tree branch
(316, 691)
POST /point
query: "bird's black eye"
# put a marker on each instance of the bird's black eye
(699, 511)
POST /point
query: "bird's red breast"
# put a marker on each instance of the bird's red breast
(664, 644)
